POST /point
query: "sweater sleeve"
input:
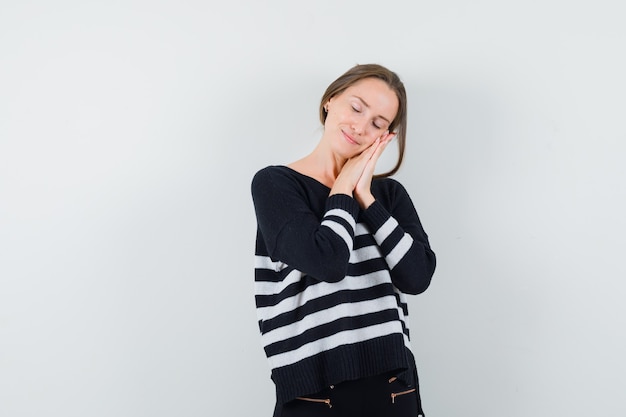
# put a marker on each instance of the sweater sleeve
(402, 240)
(295, 235)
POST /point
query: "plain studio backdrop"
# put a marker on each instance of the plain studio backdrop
(129, 134)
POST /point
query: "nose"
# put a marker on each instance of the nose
(358, 126)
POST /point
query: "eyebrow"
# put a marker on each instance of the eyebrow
(367, 105)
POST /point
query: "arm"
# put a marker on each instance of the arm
(403, 242)
(295, 235)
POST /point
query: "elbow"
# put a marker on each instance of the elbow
(333, 266)
(421, 277)
(331, 273)
(427, 274)
(416, 286)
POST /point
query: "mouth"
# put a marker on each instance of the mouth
(349, 138)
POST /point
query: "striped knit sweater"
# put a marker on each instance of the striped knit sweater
(331, 279)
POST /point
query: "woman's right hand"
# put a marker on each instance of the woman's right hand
(352, 171)
(363, 188)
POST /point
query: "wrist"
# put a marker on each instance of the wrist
(340, 187)
(365, 201)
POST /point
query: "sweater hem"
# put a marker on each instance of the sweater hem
(344, 363)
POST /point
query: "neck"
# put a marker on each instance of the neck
(327, 162)
(321, 164)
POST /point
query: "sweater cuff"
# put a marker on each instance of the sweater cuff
(343, 202)
(375, 216)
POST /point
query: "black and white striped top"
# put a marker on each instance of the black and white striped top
(331, 279)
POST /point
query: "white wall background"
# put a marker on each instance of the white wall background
(129, 133)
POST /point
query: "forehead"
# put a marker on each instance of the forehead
(381, 99)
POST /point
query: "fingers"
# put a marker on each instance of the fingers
(368, 158)
(384, 141)
(357, 173)
(386, 138)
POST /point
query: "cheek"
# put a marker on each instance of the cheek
(332, 119)
(371, 137)
(365, 145)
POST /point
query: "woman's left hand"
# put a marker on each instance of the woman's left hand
(362, 191)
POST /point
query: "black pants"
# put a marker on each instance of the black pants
(379, 396)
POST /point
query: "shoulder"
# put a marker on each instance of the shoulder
(280, 179)
(388, 185)
(270, 170)
(270, 174)
(390, 192)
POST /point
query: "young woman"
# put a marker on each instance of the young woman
(337, 249)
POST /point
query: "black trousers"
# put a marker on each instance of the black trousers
(378, 396)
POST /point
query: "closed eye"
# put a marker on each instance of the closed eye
(379, 124)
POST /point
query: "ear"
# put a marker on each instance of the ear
(327, 104)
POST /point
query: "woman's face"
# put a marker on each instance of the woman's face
(359, 115)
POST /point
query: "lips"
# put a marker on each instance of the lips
(349, 138)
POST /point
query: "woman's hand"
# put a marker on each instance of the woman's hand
(363, 188)
(352, 170)
(355, 177)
